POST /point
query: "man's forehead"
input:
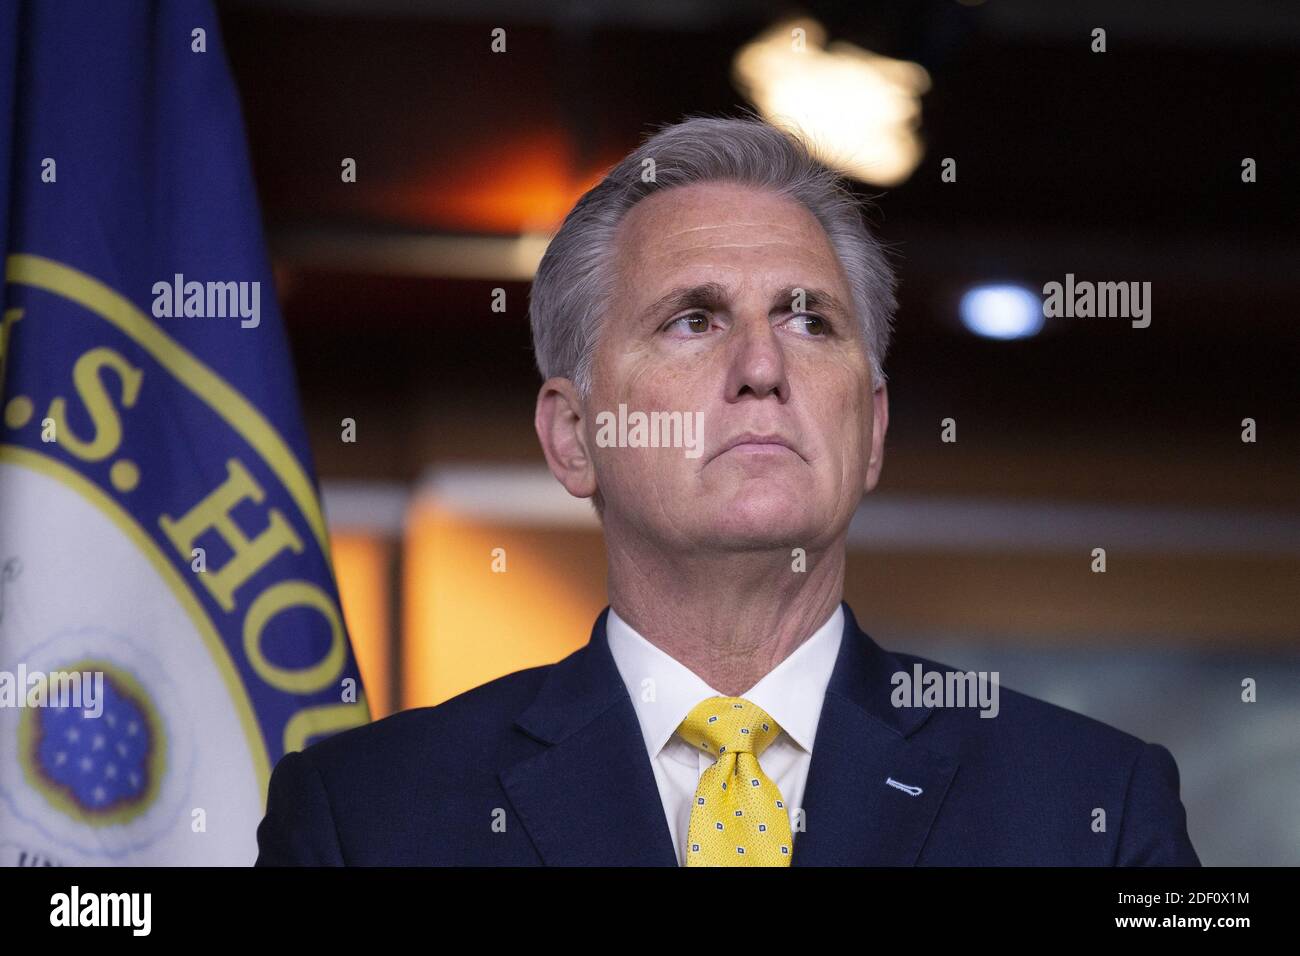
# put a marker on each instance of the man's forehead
(685, 235)
(703, 213)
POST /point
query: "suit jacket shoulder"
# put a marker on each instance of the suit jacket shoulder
(1101, 795)
(395, 791)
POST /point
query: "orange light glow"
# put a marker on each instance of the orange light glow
(466, 624)
(522, 185)
(361, 569)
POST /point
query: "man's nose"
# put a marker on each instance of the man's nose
(757, 361)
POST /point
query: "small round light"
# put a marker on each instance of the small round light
(1002, 311)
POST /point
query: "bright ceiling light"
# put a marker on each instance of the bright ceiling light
(861, 110)
(1002, 311)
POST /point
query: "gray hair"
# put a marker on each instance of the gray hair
(574, 281)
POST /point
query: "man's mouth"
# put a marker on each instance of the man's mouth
(758, 444)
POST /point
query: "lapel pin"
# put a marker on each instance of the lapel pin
(911, 791)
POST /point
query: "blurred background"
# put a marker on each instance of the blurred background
(1073, 433)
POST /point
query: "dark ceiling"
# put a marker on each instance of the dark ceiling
(1116, 166)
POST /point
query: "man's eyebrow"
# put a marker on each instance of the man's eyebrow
(812, 299)
(706, 295)
(713, 296)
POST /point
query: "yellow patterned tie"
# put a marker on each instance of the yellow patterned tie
(739, 817)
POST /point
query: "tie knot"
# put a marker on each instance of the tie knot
(727, 725)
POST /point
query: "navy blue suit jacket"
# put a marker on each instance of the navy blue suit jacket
(548, 766)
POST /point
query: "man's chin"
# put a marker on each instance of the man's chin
(750, 525)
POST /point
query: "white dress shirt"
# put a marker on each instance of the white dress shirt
(664, 691)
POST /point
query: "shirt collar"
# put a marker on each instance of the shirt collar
(664, 690)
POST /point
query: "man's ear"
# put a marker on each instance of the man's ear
(559, 424)
(880, 425)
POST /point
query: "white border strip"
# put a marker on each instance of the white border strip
(366, 507)
(943, 524)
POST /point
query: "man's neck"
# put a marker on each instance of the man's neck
(730, 619)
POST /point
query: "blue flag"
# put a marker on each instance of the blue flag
(169, 622)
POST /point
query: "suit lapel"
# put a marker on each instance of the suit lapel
(590, 798)
(852, 815)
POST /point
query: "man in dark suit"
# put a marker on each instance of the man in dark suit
(721, 284)
(544, 767)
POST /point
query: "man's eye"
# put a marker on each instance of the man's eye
(812, 324)
(695, 323)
